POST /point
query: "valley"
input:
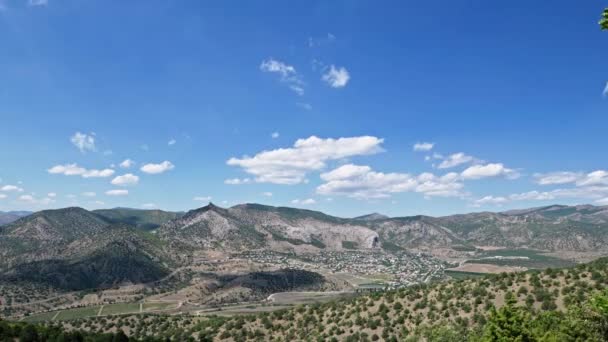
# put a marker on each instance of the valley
(71, 264)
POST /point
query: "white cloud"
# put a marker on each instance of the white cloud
(336, 77)
(290, 165)
(171, 142)
(157, 168)
(287, 73)
(75, 170)
(11, 188)
(605, 93)
(362, 182)
(127, 163)
(51, 194)
(35, 3)
(98, 173)
(267, 194)
(274, 135)
(561, 177)
(2, 196)
(29, 199)
(83, 142)
(237, 181)
(455, 160)
(202, 198)
(89, 194)
(149, 205)
(423, 146)
(597, 193)
(117, 192)
(125, 180)
(308, 201)
(107, 152)
(598, 177)
(603, 201)
(488, 170)
(491, 200)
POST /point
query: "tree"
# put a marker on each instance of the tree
(604, 20)
(509, 323)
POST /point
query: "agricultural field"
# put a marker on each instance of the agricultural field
(530, 259)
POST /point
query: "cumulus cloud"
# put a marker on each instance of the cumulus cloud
(423, 146)
(308, 201)
(287, 74)
(560, 177)
(84, 142)
(336, 77)
(75, 170)
(274, 135)
(597, 193)
(290, 165)
(117, 192)
(11, 188)
(127, 163)
(237, 181)
(361, 182)
(171, 142)
(491, 200)
(157, 168)
(29, 199)
(202, 198)
(125, 180)
(455, 160)
(488, 170)
(51, 194)
(598, 177)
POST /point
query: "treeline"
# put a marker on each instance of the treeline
(25, 332)
(585, 322)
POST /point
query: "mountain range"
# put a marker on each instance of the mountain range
(11, 216)
(76, 248)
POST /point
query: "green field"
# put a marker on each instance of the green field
(158, 306)
(463, 275)
(46, 316)
(535, 259)
(119, 308)
(66, 315)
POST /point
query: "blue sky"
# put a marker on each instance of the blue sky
(315, 104)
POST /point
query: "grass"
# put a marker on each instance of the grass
(457, 275)
(76, 313)
(535, 259)
(158, 306)
(120, 308)
(45, 316)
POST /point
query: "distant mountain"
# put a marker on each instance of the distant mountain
(143, 219)
(76, 249)
(250, 226)
(11, 216)
(552, 228)
(73, 248)
(371, 217)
